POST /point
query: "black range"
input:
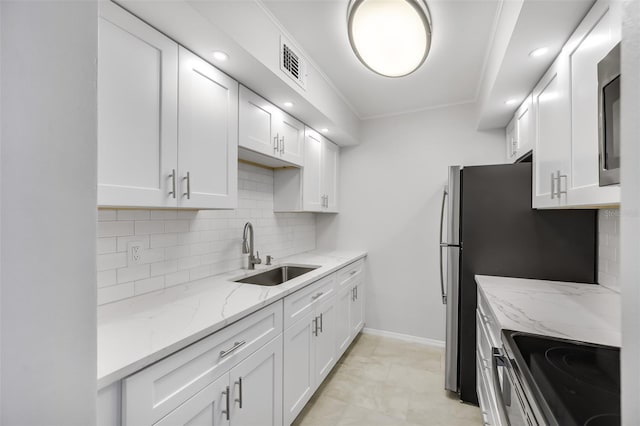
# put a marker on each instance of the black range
(565, 382)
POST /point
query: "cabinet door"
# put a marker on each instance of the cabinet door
(325, 339)
(208, 138)
(357, 308)
(525, 129)
(206, 408)
(257, 387)
(291, 133)
(511, 141)
(312, 181)
(257, 123)
(595, 37)
(299, 382)
(137, 111)
(330, 155)
(343, 322)
(553, 135)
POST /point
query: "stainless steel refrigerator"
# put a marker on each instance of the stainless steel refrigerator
(487, 227)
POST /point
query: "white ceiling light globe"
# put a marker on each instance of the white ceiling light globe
(390, 37)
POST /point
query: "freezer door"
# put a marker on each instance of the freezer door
(450, 226)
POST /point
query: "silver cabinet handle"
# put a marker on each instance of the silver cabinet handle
(353, 294)
(276, 139)
(353, 272)
(553, 187)
(445, 194)
(239, 399)
(560, 191)
(314, 297)
(315, 326)
(188, 179)
(173, 183)
(236, 345)
(282, 147)
(321, 322)
(227, 411)
(356, 289)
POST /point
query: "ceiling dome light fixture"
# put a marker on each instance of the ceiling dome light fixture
(390, 37)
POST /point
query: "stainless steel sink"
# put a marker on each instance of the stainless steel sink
(277, 275)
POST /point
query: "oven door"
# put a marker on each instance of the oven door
(512, 406)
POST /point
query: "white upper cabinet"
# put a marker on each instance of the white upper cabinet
(268, 131)
(598, 33)
(552, 153)
(313, 188)
(512, 142)
(291, 135)
(565, 110)
(525, 127)
(137, 111)
(208, 135)
(167, 121)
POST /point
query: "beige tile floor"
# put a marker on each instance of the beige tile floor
(387, 382)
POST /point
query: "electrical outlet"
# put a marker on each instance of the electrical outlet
(134, 252)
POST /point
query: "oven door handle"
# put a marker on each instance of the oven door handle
(502, 389)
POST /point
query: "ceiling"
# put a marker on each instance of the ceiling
(462, 33)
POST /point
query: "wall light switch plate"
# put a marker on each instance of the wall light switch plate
(134, 252)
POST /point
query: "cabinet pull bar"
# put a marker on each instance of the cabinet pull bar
(188, 179)
(227, 411)
(282, 147)
(239, 399)
(356, 289)
(553, 187)
(315, 326)
(173, 183)
(314, 297)
(275, 143)
(236, 345)
(353, 272)
(321, 322)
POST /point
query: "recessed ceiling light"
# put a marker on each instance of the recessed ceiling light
(288, 104)
(325, 130)
(392, 37)
(541, 51)
(511, 102)
(220, 56)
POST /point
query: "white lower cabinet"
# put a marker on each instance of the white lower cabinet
(258, 371)
(486, 341)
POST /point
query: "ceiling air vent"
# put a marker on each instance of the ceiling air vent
(292, 63)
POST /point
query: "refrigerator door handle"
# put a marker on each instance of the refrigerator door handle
(445, 194)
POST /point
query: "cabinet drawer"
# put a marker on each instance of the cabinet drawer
(484, 398)
(350, 273)
(491, 324)
(298, 304)
(155, 391)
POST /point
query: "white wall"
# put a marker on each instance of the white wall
(391, 187)
(630, 213)
(48, 216)
(186, 245)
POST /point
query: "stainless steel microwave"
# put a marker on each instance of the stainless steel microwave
(609, 117)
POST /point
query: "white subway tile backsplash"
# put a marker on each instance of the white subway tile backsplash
(111, 261)
(184, 245)
(148, 285)
(608, 248)
(133, 273)
(145, 227)
(115, 228)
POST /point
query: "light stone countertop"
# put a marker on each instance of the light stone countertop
(137, 332)
(583, 312)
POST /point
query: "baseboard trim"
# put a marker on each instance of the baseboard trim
(405, 337)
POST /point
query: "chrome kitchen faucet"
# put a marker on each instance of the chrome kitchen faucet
(247, 246)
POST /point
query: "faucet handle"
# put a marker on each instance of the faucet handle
(257, 259)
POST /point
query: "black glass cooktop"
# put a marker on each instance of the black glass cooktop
(579, 382)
